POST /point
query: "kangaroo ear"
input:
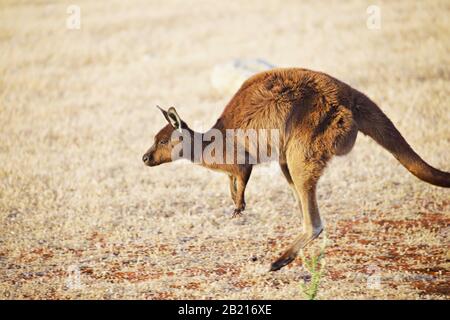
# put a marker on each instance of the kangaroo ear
(164, 112)
(174, 118)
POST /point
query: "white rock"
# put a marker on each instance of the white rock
(228, 77)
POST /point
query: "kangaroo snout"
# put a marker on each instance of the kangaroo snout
(147, 159)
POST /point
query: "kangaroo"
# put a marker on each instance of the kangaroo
(318, 117)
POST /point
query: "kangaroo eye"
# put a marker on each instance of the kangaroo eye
(163, 142)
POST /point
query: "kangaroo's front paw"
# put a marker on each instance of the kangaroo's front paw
(237, 213)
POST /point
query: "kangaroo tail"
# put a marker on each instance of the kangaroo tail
(373, 122)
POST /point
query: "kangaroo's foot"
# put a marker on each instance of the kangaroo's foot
(290, 254)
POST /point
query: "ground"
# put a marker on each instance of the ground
(82, 217)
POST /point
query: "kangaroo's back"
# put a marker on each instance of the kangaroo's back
(268, 97)
(298, 102)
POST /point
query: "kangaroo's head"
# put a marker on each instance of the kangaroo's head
(161, 150)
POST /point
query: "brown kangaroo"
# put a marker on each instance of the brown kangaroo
(318, 117)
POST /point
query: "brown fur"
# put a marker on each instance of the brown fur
(319, 117)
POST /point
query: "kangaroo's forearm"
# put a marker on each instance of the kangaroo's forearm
(240, 193)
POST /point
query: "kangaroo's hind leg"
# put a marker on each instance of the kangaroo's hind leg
(285, 170)
(305, 173)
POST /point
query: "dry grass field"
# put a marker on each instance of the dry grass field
(81, 217)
